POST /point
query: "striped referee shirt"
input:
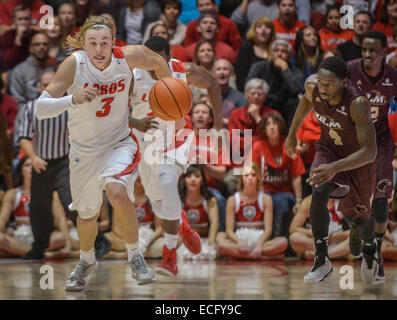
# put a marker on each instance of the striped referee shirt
(50, 136)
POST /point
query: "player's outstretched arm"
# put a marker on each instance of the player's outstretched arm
(51, 102)
(202, 78)
(360, 111)
(141, 57)
(304, 107)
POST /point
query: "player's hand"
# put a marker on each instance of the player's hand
(321, 175)
(180, 124)
(290, 146)
(145, 124)
(38, 164)
(86, 95)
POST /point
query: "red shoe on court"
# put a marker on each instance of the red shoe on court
(168, 266)
(190, 238)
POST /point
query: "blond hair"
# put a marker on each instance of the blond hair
(252, 165)
(76, 39)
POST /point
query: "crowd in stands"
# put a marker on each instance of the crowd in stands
(259, 51)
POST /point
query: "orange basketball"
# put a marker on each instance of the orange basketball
(170, 99)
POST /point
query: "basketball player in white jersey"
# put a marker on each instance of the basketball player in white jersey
(160, 179)
(104, 154)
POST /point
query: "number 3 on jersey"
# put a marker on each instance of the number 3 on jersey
(105, 108)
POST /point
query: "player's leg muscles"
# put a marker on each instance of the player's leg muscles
(319, 215)
(381, 212)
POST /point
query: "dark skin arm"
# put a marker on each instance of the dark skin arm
(361, 115)
(203, 79)
(304, 107)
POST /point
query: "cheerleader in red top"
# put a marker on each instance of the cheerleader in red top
(249, 220)
(301, 237)
(282, 176)
(151, 241)
(202, 212)
(15, 242)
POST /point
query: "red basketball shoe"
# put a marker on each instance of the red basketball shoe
(168, 266)
(190, 238)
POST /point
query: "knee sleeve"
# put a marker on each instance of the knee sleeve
(366, 228)
(319, 215)
(171, 203)
(380, 209)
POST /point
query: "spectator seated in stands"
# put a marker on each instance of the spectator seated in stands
(288, 24)
(67, 17)
(301, 236)
(201, 210)
(203, 151)
(134, 17)
(14, 43)
(16, 235)
(151, 240)
(331, 33)
(308, 52)
(8, 108)
(388, 20)
(207, 28)
(227, 30)
(83, 9)
(171, 9)
(54, 34)
(392, 57)
(249, 220)
(285, 81)
(351, 49)
(260, 37)
(232, 98)
(281, 175)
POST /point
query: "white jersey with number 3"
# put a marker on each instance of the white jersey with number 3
(96, 126)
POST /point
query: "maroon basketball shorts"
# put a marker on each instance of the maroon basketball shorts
(355, 187)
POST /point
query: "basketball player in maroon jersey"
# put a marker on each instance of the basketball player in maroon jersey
(378, 80)
(342, 167)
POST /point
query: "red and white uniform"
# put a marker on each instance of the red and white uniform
(102, 149)
(145, 214)
(249, 214)
(197, 215)
(20, 209)
(158, 146)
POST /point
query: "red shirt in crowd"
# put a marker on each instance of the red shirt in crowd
(222, 51)
(9, 109)
(203, 149)
(387, 30)
(309, 132)
(284, 32)
(331, 40)
(178, 52)
(11, 53)
(278, 170)
(227, 32)
(393, 127)
(7, 6)
(240, 119)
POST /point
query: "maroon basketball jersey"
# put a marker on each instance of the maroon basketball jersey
(338, 131)
(379, 94)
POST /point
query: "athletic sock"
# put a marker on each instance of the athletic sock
(379, 239)
(321, 247)
(171, 240)
(88, 256)
(132, 250)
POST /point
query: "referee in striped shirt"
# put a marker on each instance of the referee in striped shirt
(49, 153)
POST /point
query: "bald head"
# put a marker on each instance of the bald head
(222, 72)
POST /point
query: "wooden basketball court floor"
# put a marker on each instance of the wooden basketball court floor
(197, 280)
